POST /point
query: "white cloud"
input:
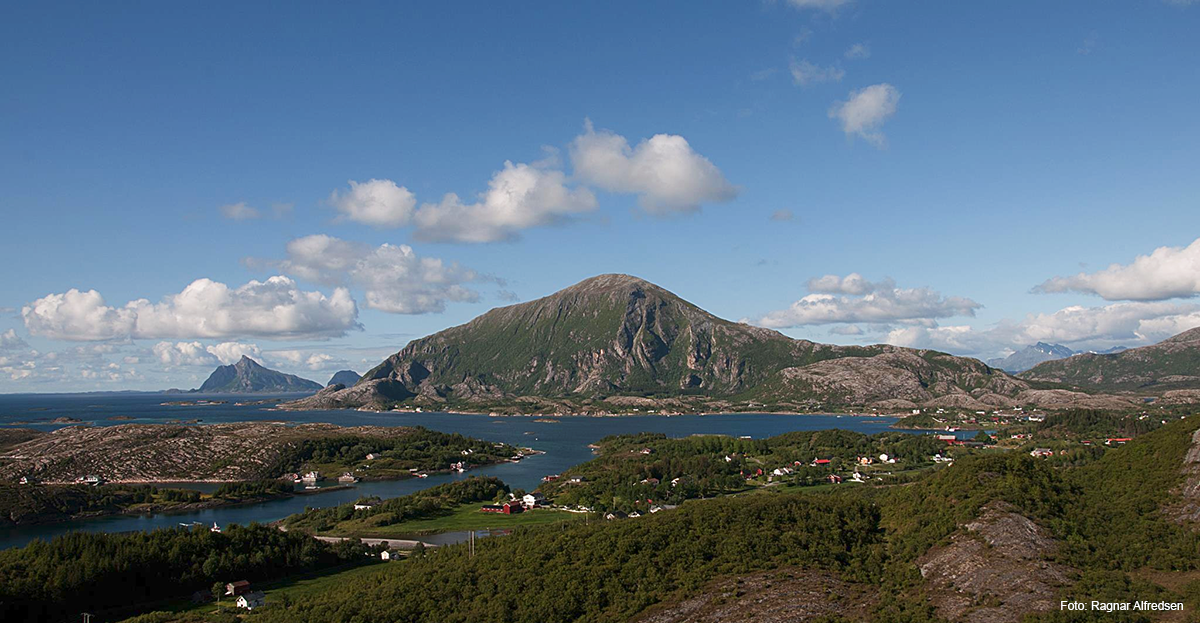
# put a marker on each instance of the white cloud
(75, 315)
(378, 203)
(853, 283)
(197, 354)
(824, 5)
(852, 299)
(182, 354)
(805, 73)
(275, 308)
(231, 352)
(782, 215)
(858, 51)
(394, 278)
(519, 196)
(664, 171)
(1168, 272)
(309, 360)
(865, 111)
(9, 340)
(1082, 328)
(238, 211)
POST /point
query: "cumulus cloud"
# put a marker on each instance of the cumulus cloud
(518, 197)
(1168, 272)
(197, 354)
(238, 211)
(231, 352)
(182, 354)
(858, 51)
(806, 74)
(378, 203)
(309, 360)
(666, 174)
(853, 283)
(1083, 328)
(9, 340)
(852, 299)
(76, 315)
(393, 277)
(864, 113)
(275, 308)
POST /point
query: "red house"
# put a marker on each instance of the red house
(508, 508)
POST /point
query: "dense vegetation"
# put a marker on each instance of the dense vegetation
(635, 471)
(1097, 425)
(432, 502)
(87, 572)
(421, 450)
(253, 489)
(21, 504)
(608, 571)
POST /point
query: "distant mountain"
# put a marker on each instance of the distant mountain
(248, 377)
(1030, 356)
(614, 341)
(1172, 364)
(344, 377)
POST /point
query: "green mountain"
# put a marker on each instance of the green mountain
(248, 377)
(1170, 365)
(622, 341)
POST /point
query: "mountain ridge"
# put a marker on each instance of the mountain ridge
(1170, 368)
(615, 341)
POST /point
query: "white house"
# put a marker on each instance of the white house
(250, 601)
(532, 500)
(389, 554)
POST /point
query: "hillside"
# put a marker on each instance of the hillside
(248, 377)
(1170, 365)
(998, 537)
(616, 336)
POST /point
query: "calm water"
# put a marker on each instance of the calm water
(564, 442)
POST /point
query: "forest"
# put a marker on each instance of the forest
(113, 573)
(420, 450)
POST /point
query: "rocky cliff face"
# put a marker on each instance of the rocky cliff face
(616, 335)
(248, 377)
(1173, 364)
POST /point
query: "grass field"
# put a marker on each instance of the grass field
(464, 517)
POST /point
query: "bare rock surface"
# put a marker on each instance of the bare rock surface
(995, 570)
(164, 453)
(1187, 510)
(782, 596)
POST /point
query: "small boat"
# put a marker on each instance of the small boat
(422, 475)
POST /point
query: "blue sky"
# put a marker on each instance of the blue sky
(949, 157)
